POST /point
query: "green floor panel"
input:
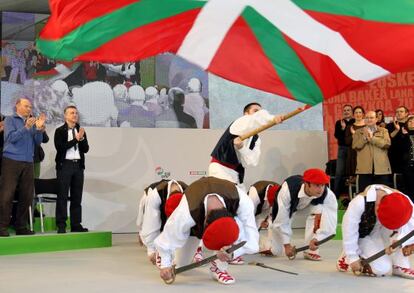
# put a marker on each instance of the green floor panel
(341, 214)
(54, 242)
(338, 235)
(49, 224)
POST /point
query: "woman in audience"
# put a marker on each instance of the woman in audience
(380, 118)
(408, 156)
(359, 114)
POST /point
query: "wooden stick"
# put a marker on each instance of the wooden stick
(272, 123)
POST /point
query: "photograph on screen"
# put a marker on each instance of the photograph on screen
(159, 92)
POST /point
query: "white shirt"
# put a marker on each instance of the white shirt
(243, 125)
(246, 156)
(151, 223)
(141, 209)
(352, 218)
(72, 154)
(328, 210)
(266, 208)
(177, 229)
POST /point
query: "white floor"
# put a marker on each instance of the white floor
(124, 268)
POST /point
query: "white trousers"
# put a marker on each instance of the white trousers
(265, 236)
(376, 242)
(185, 254)
(277, 240)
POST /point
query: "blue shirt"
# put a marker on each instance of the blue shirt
(19, 142)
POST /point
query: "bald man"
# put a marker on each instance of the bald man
(21, 133)
(371, 144)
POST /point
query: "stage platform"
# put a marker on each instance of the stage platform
(125, 268)
(49, 224)
(51, 241)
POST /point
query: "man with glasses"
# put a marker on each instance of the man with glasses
(371, 144)
(395, 130)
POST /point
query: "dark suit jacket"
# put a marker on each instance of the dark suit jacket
(1, 137)
(1, 142)
(62, 145)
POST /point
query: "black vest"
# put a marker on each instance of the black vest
(225, 152)
(261, 191)
(294, 184)
(368, 219)
(162, 188)
(153, 185)
(197, 191)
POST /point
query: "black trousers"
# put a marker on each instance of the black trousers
(70, 179)
(16, 174)
(369, 179)
(408, 174)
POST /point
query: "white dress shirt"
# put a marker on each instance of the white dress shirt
(72, 154)
(246, 156)
(243, 125)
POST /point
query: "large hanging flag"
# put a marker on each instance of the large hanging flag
(60, 71)
(308, 50)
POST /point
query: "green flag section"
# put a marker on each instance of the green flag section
(304, 50)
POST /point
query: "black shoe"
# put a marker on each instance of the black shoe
(24, 231)
(4, 233)
(79, 229)
(61, 230)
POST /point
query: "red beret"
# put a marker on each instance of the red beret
(271, 193)
(316, 176)
(222, 232)
(172, 203)
(394, 210)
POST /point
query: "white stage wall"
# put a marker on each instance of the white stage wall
(123, 161)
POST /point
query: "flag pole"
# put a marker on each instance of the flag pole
(272, 123)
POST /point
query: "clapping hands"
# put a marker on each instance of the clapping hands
(80, 134)
(396, 124)
(343, 124)
(30, 122)
(40, 121)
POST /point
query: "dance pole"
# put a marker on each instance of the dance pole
(272, 123)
